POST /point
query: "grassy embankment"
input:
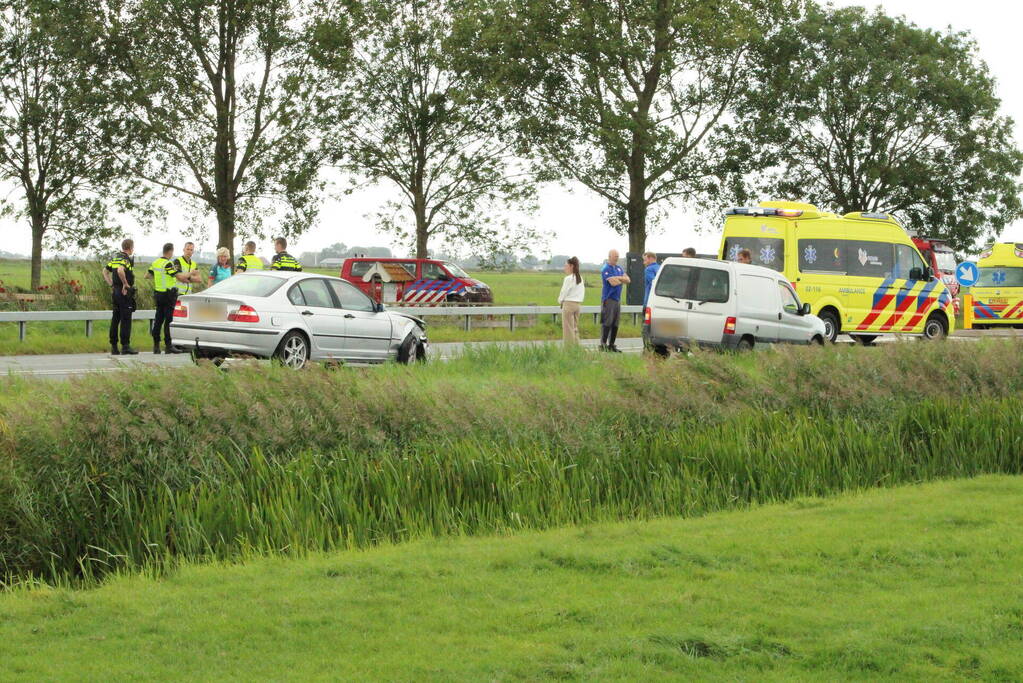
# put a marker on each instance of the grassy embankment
(148, 468)
(915, 583)
(510, 289)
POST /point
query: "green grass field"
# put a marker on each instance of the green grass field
(510, 289)
(916, 583)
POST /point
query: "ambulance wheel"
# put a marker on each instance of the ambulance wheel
(831, 325)
(865, 339)
(936, 328)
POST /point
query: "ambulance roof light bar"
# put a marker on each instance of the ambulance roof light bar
(763, 211)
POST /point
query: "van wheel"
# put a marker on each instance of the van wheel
(660, 350)
(936, 329)
(865, 339)
(831, 325)
(745, 345)
(293, 351)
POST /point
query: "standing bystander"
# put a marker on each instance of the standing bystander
(571, 298)
(650, 268)
(165, 294)
(613, 277)
(120, 275)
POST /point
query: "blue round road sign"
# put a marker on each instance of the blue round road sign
(967, 273)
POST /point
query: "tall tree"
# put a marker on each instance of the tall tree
(623, 96)
(220, 89)
(422, 126)
(871, 113)
(55, 144)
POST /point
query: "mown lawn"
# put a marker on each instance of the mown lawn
(918, 583)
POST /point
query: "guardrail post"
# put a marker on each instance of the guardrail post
(88, 328)
(595, 316)
(467, 323)
(511, 322)
(635, 318)
(21, 330)
(554, 318)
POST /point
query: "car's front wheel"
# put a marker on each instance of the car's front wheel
(293, 351)
(411, 350)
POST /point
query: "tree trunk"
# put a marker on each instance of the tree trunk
(422, 228)
(637, 207)
(225, 225)
(38, 229)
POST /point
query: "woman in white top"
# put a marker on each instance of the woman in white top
(570, 300)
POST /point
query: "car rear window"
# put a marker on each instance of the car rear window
(688, 282)
(247, 285)
(1000, 277)
(360, 268)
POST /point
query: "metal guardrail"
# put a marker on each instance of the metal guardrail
(467, 313)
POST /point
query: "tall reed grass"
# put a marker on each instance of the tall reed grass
(141, 469)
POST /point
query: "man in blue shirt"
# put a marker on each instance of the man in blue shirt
(650, 268)
(613, 277)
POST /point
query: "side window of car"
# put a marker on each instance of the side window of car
(351, 298)
(432, 271)
(295, 296)
(788, 299)
(409, 266)
(869, 259)
(360, 268)
(906, 259)
(315, 293)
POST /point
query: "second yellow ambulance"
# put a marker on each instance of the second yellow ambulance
(861, 273)
(998, 293)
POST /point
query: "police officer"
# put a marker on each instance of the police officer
(248, 262)
(163, 272)
(282, 259)
(120, 275)
(188, 271)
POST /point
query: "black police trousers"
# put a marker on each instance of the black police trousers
(164, 314)
(121, 319)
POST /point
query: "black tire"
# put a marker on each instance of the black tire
(660, 350)
(864, 339)
(293, 351)
(745, 345)
(831, 325)
(817, 340)
(936, 328)
(411, 350)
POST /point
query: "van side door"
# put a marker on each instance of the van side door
(793, 327)
(758, 308)
(710, 297)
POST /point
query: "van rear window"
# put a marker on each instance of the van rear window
(698, 284)
(764, 251)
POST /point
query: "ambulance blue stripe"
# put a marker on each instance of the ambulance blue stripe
(928, 288)
(882, 291)
(907, 287)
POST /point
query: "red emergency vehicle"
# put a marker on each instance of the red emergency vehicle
(942, 260)
(414, 282)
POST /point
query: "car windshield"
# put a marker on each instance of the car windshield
(247, 285)
(455, 270)
(1000, 276)
(946, 261)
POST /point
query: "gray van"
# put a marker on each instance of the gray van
(725, 305)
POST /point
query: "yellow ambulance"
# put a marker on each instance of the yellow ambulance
(998, 293)
(861, 273)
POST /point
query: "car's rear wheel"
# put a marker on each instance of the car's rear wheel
(293, 351)
(745, 344)
(865, 339)
(935, 328)
(831, 327)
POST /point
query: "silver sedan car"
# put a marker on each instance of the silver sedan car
(294, 318)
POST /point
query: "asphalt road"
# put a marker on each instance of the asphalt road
(65, 366)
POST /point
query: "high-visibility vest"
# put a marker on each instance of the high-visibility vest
(162, 280)
(250, 262)
(285, 261)
(186, 267)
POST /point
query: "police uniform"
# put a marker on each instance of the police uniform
(185, 266)
(249, 262)
(123, 304)
(285, 261)
(165, 293)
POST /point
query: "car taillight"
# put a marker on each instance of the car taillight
(646, 315)
(243, 314)
(730, 326)
(180, 310)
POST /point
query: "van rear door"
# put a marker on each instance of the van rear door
(669, 302)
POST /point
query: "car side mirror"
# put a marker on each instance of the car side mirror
(378, 307)
(804, 309)
(916, 273)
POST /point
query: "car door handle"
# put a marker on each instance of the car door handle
(307, 312)
(349, 315)
(779, 315)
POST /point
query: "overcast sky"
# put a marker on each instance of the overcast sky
(572, 217)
